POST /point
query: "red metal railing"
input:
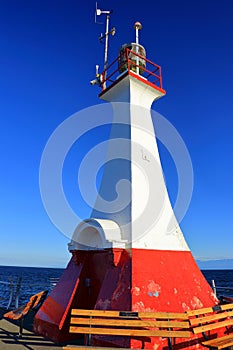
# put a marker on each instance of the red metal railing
(131, 62)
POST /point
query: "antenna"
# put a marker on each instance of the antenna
(137, 27)
(105, 36)
(96, 9)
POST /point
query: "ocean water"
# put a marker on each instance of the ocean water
(223, 281)
(34, 280)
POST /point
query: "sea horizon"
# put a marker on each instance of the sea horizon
(203, 264)
(34, 267)
(33, 279)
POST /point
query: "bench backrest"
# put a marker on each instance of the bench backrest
(38, 299)
(129, 323)
(207, 319)
(34, 303)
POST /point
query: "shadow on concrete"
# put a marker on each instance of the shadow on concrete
(9, 335)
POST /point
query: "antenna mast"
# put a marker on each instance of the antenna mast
(105, 36)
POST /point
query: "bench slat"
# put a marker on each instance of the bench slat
(128, 323)
(210, 309)
(209, 327)
(220, 343)
(130, 332)
(103, 313)
(164, 315)
(210, 318)
(112, 313)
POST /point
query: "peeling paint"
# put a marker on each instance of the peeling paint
(136, 291)
(185, 307)
(198, 282)
(214, 297)
(153, 288)
(196, 303)
(156, 294)
(104, 304)
(175, 291)
(139, 306)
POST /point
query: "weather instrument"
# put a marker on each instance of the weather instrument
(102, 37)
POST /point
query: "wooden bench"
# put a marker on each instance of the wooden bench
(33, 304)
(209, 320)
(129, 324)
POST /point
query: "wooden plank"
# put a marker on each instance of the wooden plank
(227, 307)
(128, 323)
(164, 315)
(199, 311)
(220, 343)
(210, 318)
(112, 313)
(208, 327)
(209, 310)
(130, 332)
(103, 313)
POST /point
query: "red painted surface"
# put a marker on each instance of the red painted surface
(57, 305)
(168, 281)
(78, 287)
(158, 281)
(115, 294)
(118, 279)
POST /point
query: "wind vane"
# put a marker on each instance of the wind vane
(105, 36)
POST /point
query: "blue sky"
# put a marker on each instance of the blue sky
(48, 54)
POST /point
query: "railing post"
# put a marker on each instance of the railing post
(11, 286)
(214, 287)
(160, 78)
(127, 58)
(17, 292)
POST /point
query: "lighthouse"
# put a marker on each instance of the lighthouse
(130, 254)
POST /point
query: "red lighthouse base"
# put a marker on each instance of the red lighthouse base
(118, 279)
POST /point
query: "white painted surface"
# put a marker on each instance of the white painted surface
(148, 221)
(96, 234)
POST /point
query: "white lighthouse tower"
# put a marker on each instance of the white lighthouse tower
(138, 225)
(141, 216)
(130, 254)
